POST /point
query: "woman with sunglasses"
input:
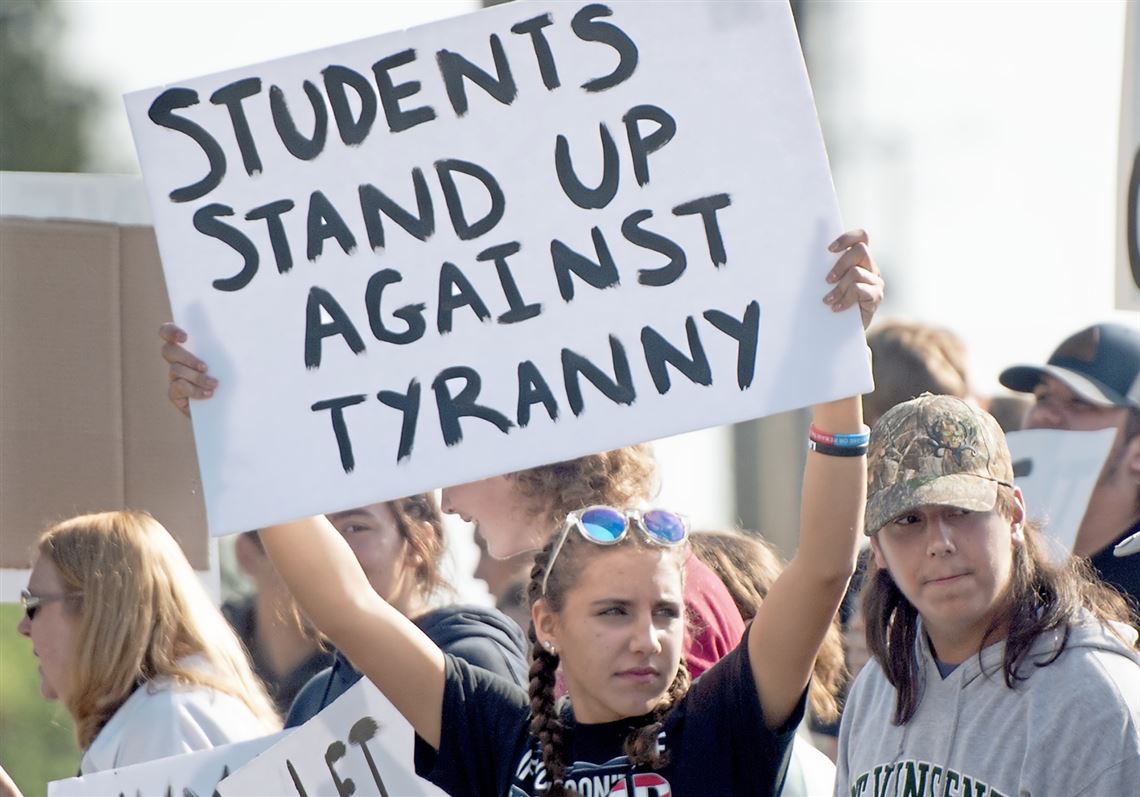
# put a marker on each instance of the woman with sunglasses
(606, 605)
(129, 641)
(612, 617)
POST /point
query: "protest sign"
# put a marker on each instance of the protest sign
(1057, 470)
(190, 775)
(520, 236)
(1128, 170)
(359, 746)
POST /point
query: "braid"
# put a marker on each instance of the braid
(641, 744)
(545, 724)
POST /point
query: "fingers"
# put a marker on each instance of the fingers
(189, 377)
(182, 390)
(171, 333)
(849, 239)
(855, 277)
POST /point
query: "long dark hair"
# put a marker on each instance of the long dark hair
(1043, 598)
(545, 724)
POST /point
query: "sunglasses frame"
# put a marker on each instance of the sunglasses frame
(633, 517)
(32, 603)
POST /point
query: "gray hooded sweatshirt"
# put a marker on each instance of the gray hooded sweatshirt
(1071, 729)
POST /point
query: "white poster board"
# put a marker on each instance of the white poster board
(190, 775)
(511, 238)
(1057, 470)
(359, 746)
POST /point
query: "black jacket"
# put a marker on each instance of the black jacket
(486, 638)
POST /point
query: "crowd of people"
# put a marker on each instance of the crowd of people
(628, 649)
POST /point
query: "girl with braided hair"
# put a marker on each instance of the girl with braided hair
(606, 607)
(607, 610)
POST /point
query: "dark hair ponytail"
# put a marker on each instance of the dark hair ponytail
(545, 724)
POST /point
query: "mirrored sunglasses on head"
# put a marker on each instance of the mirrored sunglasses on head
(606, 525)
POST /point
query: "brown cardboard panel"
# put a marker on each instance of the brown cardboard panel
(161, 468)
(60, 385)
(84, 422)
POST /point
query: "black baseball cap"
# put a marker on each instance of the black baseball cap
(1100, 364)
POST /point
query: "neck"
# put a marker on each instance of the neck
(956, 644)
(408, 602)
(1111, 510)
(280, 639)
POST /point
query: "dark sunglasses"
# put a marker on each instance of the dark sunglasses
(605, 525)
(32, 603)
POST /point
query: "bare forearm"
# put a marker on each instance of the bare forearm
(795, 616)
(834, 495)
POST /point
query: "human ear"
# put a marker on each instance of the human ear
(545, 623)
(1017, 522)
(1131, 460)
(877, 550)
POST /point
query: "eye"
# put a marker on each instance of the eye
(905, 520)
(612, 611)
(670, 611)
(955, 511)
(354, 528)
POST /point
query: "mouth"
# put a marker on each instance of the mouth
(640, 675)
(946, 580)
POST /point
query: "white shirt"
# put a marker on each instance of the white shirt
(162, 719)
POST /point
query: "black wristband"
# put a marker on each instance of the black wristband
(836, 451)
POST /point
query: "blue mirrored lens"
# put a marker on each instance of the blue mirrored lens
(603, 524)
(665, 527)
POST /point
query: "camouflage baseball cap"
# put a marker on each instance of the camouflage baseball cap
(934, 450)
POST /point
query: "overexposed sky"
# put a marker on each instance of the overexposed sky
(127, 45)
(977, 142)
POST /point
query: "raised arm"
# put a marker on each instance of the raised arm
(332, 589)
(322, 573)
(793, 620)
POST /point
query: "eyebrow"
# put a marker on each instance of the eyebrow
(348, 514)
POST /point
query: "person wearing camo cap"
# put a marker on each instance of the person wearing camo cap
(992, 669)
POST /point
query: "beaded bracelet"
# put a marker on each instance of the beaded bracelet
(853, 440)
(836, 451)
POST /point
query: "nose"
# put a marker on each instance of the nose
(445, 502)
(24, 628)
(644, 635)
(1044, 415)
(940, 542)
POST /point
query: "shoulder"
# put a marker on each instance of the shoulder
(162, 719)
(871, 698)
(1094, 662)
(484, 637)
(309, 699)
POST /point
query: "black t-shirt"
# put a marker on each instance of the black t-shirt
(1122, 572)
(716, 738)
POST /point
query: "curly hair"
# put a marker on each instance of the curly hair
(141, 611)
(1043, 597)
(546, 724)
(749, 565)
(622, 477)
